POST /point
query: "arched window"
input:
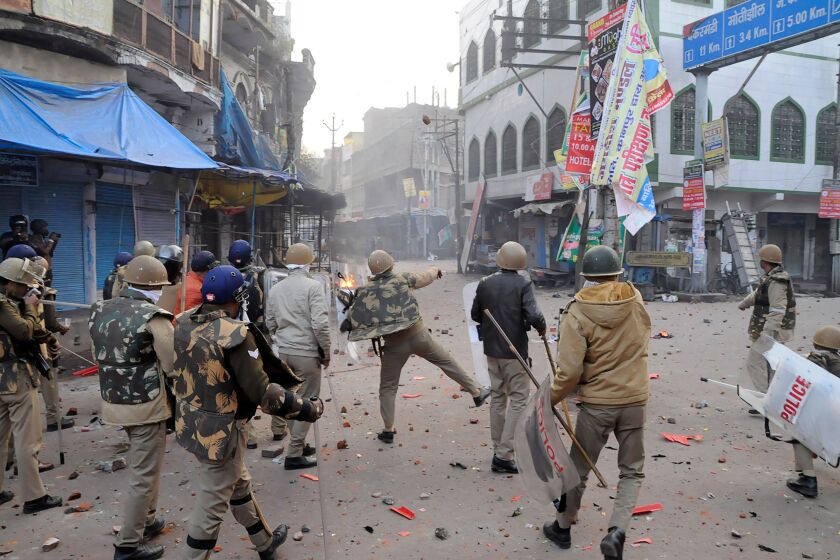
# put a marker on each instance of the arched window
(489, 54)
(474, 166)
(508, 41)
(241, 94)
(826, 135)
(531, 144)
(682, 122)
(787, 132)
(533, 24)
(472, 62)
(744, 125)
(555, 132)
(491, 155)
(509, 150)
(557, 9)
(586, 7)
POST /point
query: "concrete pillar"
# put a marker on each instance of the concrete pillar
(89, 241)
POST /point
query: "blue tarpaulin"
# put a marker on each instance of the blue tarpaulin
(238, 142)
(104, 121)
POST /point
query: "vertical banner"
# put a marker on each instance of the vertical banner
(830, 199)
(539, 187)
(715, 143)
(581, 145)
(694, 188)
(698, 240)
(545, 468)
(639, 89)
(604, 36)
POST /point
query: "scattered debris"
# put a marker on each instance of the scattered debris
(442, 533)
(272, 453)
(649, 508)
(418, 378)
(663, 334)
(369, 529)
(411, 395)
(404, 533)
(50, 544)
(517, 512)
(736, 534)
(458, 465)
(764, 548)
(672, 420)
(72, 411)
(346, 424)
(308, 476)
(111, 466)
(376, 495)
(81, 508)
(456, 396)
(388, 501)
(653, 376)
(404, 511)
(298, 536)
(74, 496)
(700, 404)
(473, 420)
(639, 542)
(425, 496)
(305, 529)
(73, 476)
(721, 459)
(344, 410)
(342, 444)
(682, 439)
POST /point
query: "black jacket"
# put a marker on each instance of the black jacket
(510, 298)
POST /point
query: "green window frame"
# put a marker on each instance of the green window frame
(787, 132)
(682, 121)
(826, 135)
(531, 154)
(532, 24)
(491, 155)
(474, 155)
(509, 148)
(557, 9)
(744, 125)
(488, 58)
(555, 132)
(472, 63)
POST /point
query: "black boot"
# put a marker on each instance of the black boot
(141, 552)
(155, 529)
(294, 463)
(6, 496)
(385, 436)
(503, 466)
(805, 485)
(482, 396)
(66, 423)
(612, 547)
(278, 537)
(308, 450)
(557, 535)
(44, 502)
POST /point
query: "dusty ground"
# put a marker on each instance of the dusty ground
(704, 498)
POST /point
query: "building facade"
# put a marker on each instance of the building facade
(781, 130)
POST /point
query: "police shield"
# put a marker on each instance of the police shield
(545, 467)
(803, 400)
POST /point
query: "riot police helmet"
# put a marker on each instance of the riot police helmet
(380, 261)
(203, 261)
(770, 254)
(21, 251)
(601, 261)
(122, 258)
(239, 254)
(299, 254)
(827, 336)
(144, 247)
(224, 284)
(146, 271)
(512, 256)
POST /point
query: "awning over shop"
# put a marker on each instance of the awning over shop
(540, 208)
(102, 121)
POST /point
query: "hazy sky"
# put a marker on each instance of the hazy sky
(369, 53)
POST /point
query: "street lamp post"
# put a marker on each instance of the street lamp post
(443, 134)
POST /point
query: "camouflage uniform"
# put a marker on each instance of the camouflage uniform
(20, 324)
(114, 283)
(386, 307)
(220, 380)
(774, 314)
(132, 342)
(255, 309)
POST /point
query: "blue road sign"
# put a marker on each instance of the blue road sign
(753, 24)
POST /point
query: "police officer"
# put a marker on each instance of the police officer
(603, 348)
(43, 241)
(201, 263)
(18, 234)
(115, 277)
(220, 380)
(143, 247)
(386, 308)
(826, 354)
(20, 333)
(298, 319)
(172, 258)
(774, 312)
(241, 257)
(133, 344)
(509, 296)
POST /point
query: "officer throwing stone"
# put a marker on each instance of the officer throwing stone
(220, 380)
(774, 312)
(386, 308)
(133, 344)
(509, 296)
(602, 350)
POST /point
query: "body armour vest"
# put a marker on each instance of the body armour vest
(386, 305)
(762, 303)
(14, 369)
(205, 390)
(124, 348)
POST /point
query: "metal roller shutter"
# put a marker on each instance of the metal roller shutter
(114, 226)
(10, 204)
(155, 209)
(61, 206)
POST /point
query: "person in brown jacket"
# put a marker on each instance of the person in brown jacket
(603, 349)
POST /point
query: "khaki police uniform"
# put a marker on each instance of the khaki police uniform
(133, 345)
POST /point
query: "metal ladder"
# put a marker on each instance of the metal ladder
(735, 228)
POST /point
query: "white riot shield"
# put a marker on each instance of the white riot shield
(476, 346)
(545, 467)
(804, 400)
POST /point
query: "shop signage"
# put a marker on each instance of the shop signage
(715, 144)
(830, 199)
(538, 187)
(18, 170)
(658, 259)
(424, 200)
(694, 189)
(604, 34)
(581, 145)
(408, 187)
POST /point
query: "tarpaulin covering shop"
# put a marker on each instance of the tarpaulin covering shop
(62, 129)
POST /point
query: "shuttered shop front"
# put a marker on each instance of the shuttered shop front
(114, 226)
(61, 205)
(156, 217)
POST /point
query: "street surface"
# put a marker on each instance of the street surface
(732, 480)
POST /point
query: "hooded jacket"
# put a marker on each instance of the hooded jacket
(603, 347)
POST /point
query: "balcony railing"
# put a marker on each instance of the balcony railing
(135, 25)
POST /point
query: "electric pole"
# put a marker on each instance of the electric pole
(333, 165)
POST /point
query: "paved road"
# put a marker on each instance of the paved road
(704, 498)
